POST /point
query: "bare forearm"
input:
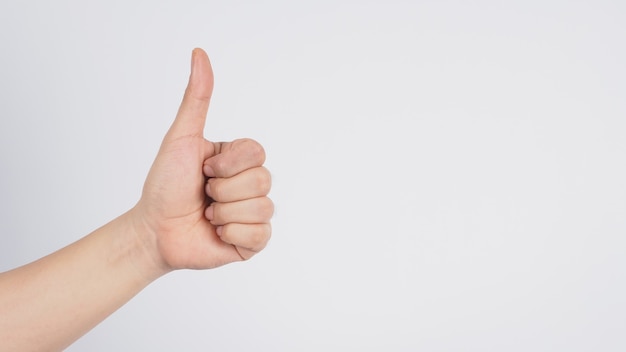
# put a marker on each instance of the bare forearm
(48, 304)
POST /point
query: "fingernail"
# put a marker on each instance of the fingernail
(218, 230)
(193, 62)
(208, 171)
(208, 213)
(207, 188)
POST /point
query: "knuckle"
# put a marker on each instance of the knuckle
(221, 165)
(263, 180)
(266, 208)
(260, 237)
(254, 149)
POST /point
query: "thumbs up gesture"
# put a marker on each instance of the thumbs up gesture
(204, 204)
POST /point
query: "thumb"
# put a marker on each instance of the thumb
(192, 112)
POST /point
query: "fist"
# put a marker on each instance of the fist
(237, 188)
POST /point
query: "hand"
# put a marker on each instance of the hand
(204, 204)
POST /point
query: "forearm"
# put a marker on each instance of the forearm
(48, 304)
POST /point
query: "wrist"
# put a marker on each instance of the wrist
(145, 256)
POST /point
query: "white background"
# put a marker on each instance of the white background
(448, 175)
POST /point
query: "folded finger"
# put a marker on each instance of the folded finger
(249, 211)
(234, 157)
(252, 237)
(252, 183)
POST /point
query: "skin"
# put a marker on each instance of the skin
(204, 204)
